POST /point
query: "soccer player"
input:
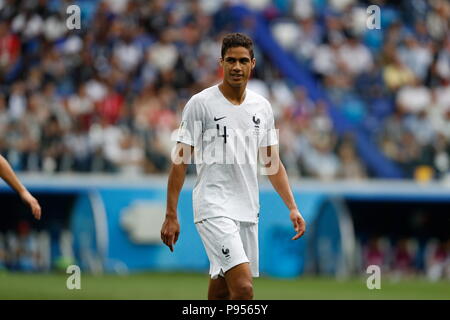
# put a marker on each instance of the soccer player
(227, 127)
(7, 174)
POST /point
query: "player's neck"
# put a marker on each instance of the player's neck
(236, 95)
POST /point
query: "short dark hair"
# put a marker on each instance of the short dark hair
(233, 40)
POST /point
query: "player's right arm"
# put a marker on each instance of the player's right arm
(171, 228)
(188, 135)
(7, 174)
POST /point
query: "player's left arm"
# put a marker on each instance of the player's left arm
(277, 175)
(7, 174)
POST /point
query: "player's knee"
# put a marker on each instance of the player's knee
(243, 291)
(219, 295)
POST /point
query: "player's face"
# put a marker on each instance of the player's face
(237, 66)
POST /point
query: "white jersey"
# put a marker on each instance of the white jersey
(226, 139)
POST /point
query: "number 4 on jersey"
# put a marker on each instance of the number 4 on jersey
(224, 133)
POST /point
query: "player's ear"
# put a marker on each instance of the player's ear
(221, 62)
(253, 63)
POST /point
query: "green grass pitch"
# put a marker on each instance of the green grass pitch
(174, 286)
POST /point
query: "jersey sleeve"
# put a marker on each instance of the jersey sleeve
(269, 135)
(191, 125)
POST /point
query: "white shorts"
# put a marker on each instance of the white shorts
(229, 243)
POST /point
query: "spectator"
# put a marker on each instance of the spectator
(326, 60)
(413, 98)
(443, 61)
(80, 106)
(351, 167)
(396, 74)
(17, 102)
(436, 259)
(376, 252)
(421, 128)
(111, 106)
(415, 56)
(27, 253)
(52, 146)
(320, 161)
(404, 255)
(163, 54)
(440, 154)
(9, 46)
(437, 19)
(130, 157)
(78, 148)
(309, 36)
(355, 56)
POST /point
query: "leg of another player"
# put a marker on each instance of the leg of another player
(240, 282)
(218, 289)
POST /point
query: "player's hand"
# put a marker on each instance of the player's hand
(170, 231)
(32, 203)
(299, 223)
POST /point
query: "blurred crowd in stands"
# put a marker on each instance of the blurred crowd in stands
(406, 257)
(107, 97)
(393, 83)
(30, 250)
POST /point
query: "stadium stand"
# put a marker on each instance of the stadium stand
(106, 98)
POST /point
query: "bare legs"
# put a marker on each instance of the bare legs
(237, 284)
